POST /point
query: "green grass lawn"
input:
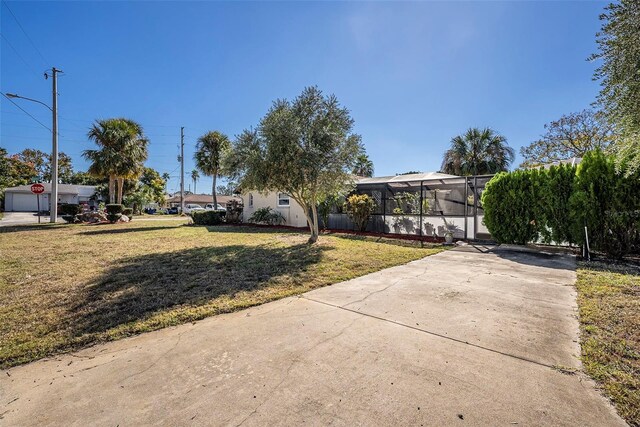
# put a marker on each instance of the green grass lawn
(609, 304)
(63, 287)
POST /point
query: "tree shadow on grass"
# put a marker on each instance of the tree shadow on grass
(33, 227)
(126, 230)
(139, 286)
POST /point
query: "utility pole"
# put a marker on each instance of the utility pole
(53, 198)
(182, 169)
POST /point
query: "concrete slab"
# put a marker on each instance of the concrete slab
(23, 218)
(309, 361)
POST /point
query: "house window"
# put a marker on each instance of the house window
(250, 200)
(283, 200)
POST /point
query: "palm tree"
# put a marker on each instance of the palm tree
(477, 152)
(211, 149)
(363, 166)
(195, 176)
(121, 154)
(166, 177)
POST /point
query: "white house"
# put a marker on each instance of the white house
(21, 199)
(291, 211)
(424, 204)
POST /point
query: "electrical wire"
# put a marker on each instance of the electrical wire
(24, 32)
(26, 112)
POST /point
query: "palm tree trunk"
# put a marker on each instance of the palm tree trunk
(120, 187)
(213, 191)
(194, 187)
(112, 189)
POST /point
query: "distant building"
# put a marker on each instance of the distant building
(199, 199)
(21, 199)
(573, 161)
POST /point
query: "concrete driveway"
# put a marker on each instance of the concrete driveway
(22, 218)
(459, 338)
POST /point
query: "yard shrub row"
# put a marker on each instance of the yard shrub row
(206, 218)
(555, 204)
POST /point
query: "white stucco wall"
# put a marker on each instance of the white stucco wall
(293, 214)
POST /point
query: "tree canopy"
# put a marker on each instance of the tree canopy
(572, 135)
(619, 75)
(477, 152)
(305, 147)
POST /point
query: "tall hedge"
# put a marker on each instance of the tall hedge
(556, 189)
(608, 203)
(556, 204)
(510, 206)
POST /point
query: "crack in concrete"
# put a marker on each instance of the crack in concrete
(513, 356)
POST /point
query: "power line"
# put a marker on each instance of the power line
(33, 70)
(27, 113)
(25, 33)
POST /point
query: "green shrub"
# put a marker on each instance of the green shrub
(511, 206)
(557, 203)
(359, 207)
(556, 224)
(128, 212)
(608, 204)
(70, 209)
(206, 218)
(114, 212)
(234, 211)
(266, 216)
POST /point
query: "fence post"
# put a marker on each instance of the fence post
(421, 183)
(475, 206)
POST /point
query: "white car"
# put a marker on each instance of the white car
(218, 207)
(190, 208)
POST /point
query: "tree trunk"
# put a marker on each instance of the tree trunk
(314, 224)
(213, 191)
(112, 189)
(194, 187)
(120, 187)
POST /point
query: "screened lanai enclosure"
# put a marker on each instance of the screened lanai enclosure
(423, 205)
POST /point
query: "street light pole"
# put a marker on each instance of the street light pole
(53, 200)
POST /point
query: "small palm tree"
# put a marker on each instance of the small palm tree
(165, 178)
(363, 166)
(195, 176)
(211, 149)
(121, 154)
(477, 152)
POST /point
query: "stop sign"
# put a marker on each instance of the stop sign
(37, 188)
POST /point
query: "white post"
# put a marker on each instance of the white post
(53, 200)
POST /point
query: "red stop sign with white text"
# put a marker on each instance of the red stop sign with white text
(37, 188)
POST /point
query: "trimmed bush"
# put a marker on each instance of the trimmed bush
(128, 212)
(70, 209)
(608, 203)
(266, 216)
(359, 207)
(511, 206)
(114, 212)
(556, 190)
(206, 217)
(557, 203)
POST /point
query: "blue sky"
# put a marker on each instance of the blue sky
(413, 74)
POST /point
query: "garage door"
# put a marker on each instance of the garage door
(25, 202)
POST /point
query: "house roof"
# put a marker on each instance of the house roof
(573, 161)
(62, 188)
(201, 198)
(411, 177)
